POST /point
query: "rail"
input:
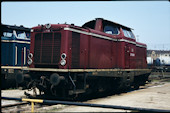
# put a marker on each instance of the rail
(11, 105)
(83, 104)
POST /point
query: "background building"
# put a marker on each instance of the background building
(160, 56)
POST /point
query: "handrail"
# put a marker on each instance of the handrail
(83, 104)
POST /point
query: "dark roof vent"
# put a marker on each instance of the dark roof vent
(99, 18)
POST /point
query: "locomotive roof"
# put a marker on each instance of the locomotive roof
(14, 27)
(109, 22)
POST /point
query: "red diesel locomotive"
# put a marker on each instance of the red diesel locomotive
(66, 60)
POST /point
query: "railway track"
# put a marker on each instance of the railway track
(13, 105)
(18, 107)
(91, 105)
(25, 106)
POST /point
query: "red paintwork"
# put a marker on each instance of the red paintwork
(97, 53)
(99, 25)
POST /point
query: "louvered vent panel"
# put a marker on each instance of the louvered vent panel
(56, 47)
(37, 48)
(75, 50)
(47, 48)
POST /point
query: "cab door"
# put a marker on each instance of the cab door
(127, 56)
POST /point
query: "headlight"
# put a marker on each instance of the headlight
(63, 62)
(29, 61)
(48, 25)
(30, 55)
(32, 30)
(63, 56)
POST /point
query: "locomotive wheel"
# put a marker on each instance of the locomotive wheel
(19, 77)
(136, 86)
(3, 80)
(55, 79)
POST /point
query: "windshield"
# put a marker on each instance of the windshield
(17, 34)
(111, 30)
(7, 34)
(22, 35)
(128, 33)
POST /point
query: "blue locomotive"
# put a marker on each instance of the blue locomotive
(15, 45)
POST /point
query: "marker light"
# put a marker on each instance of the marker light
(63, 62)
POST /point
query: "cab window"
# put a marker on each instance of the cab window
(7, 34)
(22, 35)
(128, 33)
(111, 30)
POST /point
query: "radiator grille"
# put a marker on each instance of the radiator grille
(37, 48)
(47, 49)
(75, 50)
(56, 47)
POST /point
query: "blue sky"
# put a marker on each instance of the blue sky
(149, 19)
